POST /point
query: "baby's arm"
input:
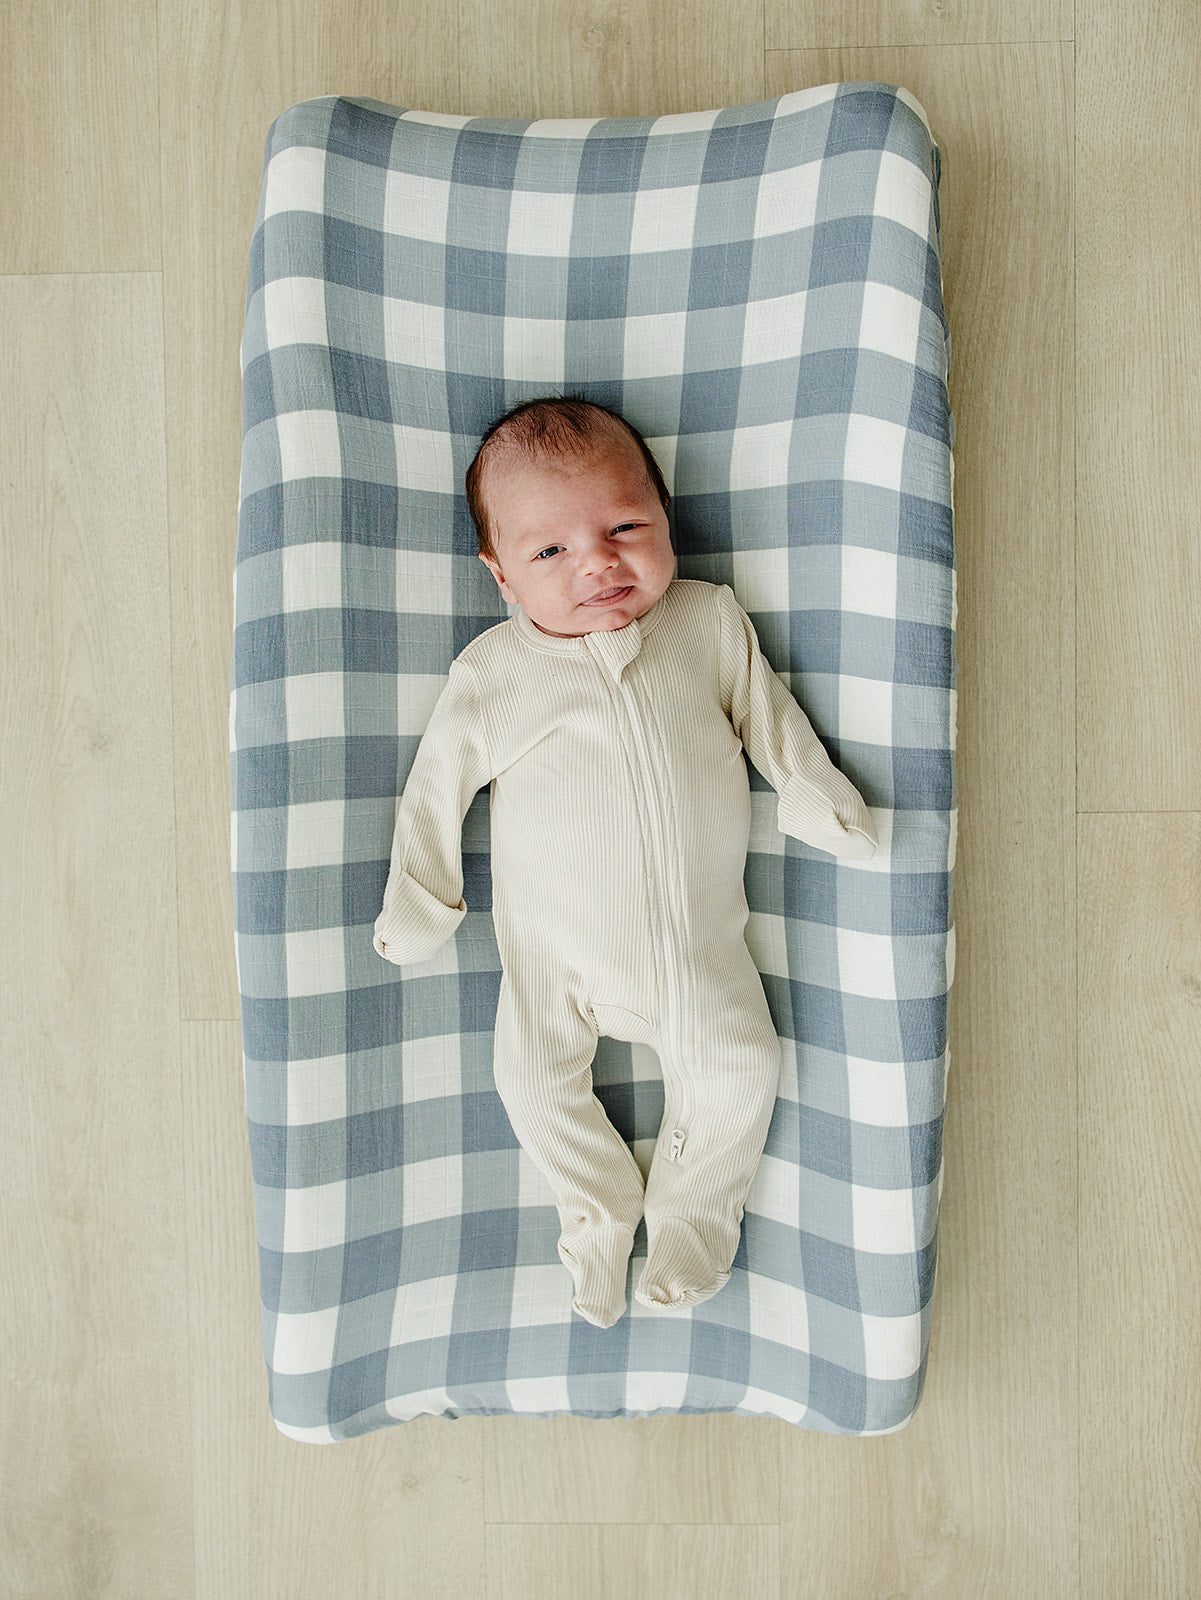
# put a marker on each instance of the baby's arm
(423, 898)
(817, 803)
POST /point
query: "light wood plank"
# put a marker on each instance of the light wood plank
(231, 68)
(977, 1496)
(396, 1513)
(715, 1469)
(588, 58)
(95, 1479)
(1140, 1206)
(79, 130)
(896, 24)
(602, 1563)
(1138, 154)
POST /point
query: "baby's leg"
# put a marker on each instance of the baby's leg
(542, 1062)
(721, 1100)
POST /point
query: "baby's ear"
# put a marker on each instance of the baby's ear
(496, 573)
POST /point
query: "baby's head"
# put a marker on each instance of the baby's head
(570, 505)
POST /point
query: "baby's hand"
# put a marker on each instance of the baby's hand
(414, 924)
(829, 814)
(856, 844)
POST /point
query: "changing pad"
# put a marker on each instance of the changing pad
(758, 291)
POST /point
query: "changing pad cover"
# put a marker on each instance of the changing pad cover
(758, 290)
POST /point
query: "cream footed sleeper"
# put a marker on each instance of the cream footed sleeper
(620, 817)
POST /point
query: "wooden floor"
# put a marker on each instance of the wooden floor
(1055, 1455)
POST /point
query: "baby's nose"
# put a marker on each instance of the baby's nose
(600, 558)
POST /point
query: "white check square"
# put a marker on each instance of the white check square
(540, 223)
(316, 961)
(316, 1090)
(315, 1218)
(869, 581)
(892, 1346)
(416, 205)
(890, 322)
(309, 445)
(882, 1220)
(534, 349)
(294, 311)
(865, 710)
(295, 181)
(315, 707)
(304, 1341)
(865, 964)
(663, 219)
(414, 334)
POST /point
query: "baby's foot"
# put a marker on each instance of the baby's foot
(597, 1262)
(679, 1270)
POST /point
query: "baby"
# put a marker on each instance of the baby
(609, 715)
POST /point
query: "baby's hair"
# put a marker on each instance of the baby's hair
(558, 427)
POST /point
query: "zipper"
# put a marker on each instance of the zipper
(648, 797)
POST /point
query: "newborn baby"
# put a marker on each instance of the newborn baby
(609, 715)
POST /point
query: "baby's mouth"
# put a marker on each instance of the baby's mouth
(609, 596)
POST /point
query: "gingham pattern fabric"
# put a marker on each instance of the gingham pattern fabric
(758, 290)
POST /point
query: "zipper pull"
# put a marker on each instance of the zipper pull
(677, 1146)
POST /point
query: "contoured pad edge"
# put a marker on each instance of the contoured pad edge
(758, 290)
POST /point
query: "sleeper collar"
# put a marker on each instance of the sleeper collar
(614, 649)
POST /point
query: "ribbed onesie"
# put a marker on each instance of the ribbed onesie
(620, 816)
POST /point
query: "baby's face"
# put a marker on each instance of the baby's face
(570, 533)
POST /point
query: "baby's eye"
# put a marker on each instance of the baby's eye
(550, 549)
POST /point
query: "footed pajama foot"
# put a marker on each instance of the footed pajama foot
(679, 1270)
(597, 1262)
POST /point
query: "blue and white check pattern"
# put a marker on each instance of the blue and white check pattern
(758, 290)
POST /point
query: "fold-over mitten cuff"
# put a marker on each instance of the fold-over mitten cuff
(414, 924)
(837, 821)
